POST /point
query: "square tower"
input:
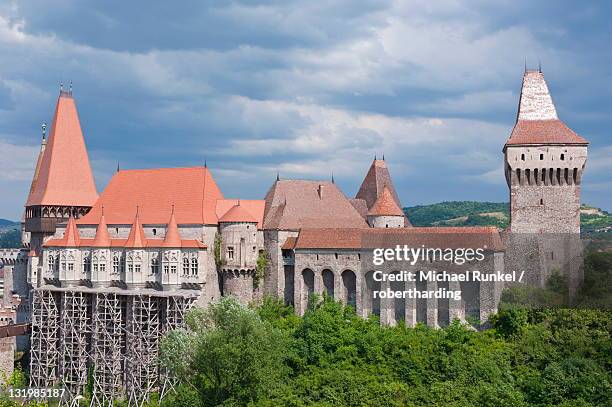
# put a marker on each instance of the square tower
(544, 161)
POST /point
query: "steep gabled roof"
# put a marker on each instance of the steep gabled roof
(295, 204)
(64, 176)
(537, 122)
(385, 205)
(193, 192)
(374, 182)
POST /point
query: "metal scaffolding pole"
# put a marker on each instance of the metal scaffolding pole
(75, 327)
(143, 335)
(44, 348)
(107, 345)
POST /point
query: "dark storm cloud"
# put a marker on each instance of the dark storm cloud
(302, 87)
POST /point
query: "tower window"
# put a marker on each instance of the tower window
(230, 253)
(154, 266)
(541, 201)
(523, 157)
(154, 232)
(541, 156)
(336, 256)
(562, 157)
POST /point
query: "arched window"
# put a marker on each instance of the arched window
(349, 285)
(185, 266)
(194, 267)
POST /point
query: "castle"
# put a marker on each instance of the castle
(108, 274)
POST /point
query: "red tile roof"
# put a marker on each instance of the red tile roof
(374, 183)
(543, 132)
(172, 238)
(136, 239)
(238, 214)
(442, 237)
(193, 192)
(289, 243)
(102, 238)
(64, 176)
(385, 205)
(254, 207)
(536, 120)
(296, 204)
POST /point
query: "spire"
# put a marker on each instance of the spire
(43, 146)
(173, 237)
(376, 179)
(118, 168)
(64, 176)
(537, 122)
(277, 176)
(535, 102)
(102, 238)
(71, 235)
(332, 178)
(136, 238)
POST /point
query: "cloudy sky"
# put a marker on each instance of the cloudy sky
(304, 88)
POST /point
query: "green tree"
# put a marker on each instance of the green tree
(227, 354)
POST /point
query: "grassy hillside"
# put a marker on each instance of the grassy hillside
(471, 213)
(459, 213)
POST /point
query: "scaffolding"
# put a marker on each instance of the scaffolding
(176, 308)
(143, 335)
(44, 340)
(74, 331)
(108, 343)
(104, 338)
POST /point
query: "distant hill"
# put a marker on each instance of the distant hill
(472, 213)
(10, 234)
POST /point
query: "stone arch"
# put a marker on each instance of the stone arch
(443, 306)
(399, 304)
(349, 288)
(328, 282)
(308, 286)
(289, 285)
(421, 303)
(371, 304)
(470, 299)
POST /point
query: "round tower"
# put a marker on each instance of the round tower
(238, 230)
(386, 213)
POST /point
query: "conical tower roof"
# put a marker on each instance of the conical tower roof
(385, 205)
(537, 122)
(238, 214)
(374, 183)
(71, 235)
(173, 237)
(136, 239)
(64, 176)
(102, 238)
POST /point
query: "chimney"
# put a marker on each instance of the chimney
(320, 191)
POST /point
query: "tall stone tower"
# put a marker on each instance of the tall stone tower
(63, 184)
(544, 161)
